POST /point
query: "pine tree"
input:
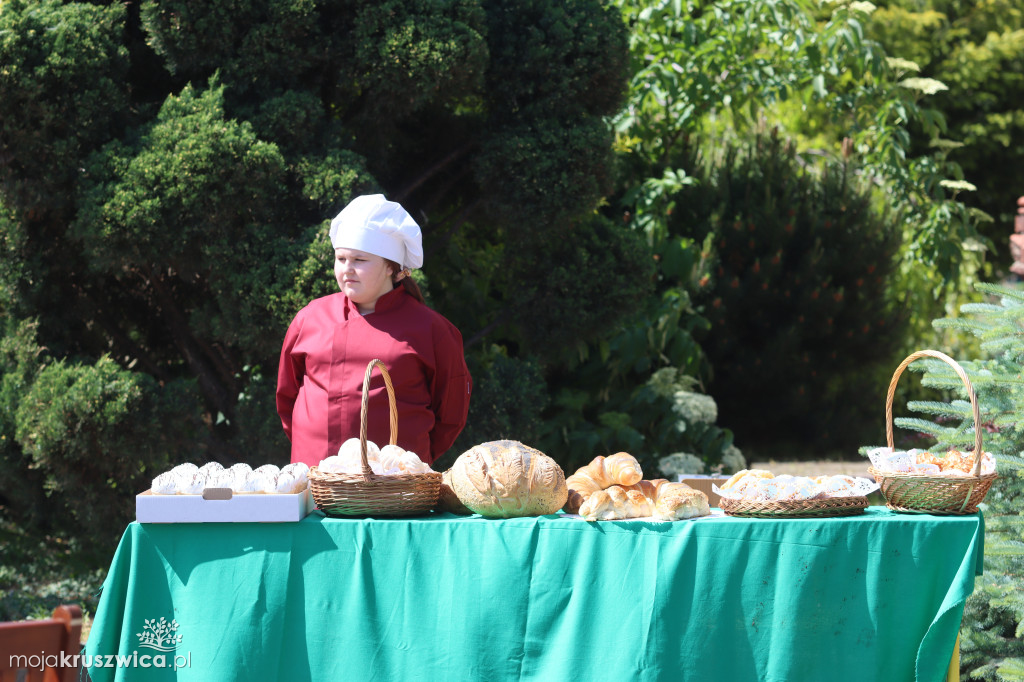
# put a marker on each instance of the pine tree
(992, 646)
(798, 300)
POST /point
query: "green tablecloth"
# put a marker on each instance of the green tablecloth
(872, 597)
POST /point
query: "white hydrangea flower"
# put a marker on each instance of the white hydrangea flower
(733, 460)
(681, 463)
(695, 407)
(667, 380)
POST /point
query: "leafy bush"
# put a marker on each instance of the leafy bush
(509, 395)
(637, 393)
(974, 50)
(70, 439)
(37, 575)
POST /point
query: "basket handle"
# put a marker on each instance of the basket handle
(970, 393)
(364, 409)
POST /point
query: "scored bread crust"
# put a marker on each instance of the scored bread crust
(505, 479)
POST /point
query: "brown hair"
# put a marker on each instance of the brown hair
(407, 282)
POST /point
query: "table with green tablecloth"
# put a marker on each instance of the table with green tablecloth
(877, 596)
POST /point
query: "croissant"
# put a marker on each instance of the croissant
(616, 503)
(602, 472)
(665, 502)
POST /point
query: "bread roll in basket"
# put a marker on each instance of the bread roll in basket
(367, 493)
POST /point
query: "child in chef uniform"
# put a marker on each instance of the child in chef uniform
(379, 313)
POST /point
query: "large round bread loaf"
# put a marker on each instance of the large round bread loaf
(504, 479)
(447, 500)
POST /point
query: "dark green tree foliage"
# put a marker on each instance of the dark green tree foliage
(50, 52)
(797, 301)
(167, 173)
(992, 635)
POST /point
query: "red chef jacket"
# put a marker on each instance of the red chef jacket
(324, 359)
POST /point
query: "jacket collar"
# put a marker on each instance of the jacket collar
(388, 301)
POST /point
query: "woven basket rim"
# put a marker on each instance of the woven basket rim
(931, 478)
(400, 494)
(799, 504)
(821, 508)
(330, 477)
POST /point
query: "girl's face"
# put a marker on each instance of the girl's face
(363, 277)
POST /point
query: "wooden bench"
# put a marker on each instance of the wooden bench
(41, 650)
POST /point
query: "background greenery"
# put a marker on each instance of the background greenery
(696, 231)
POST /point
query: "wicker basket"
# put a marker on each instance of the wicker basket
(930, 494)
(369, 494)
(795, 509)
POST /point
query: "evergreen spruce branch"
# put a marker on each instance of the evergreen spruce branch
(999, 340)
(924, 426)
(934, 370)
(1003, 343)
(963, 324)
(1007, 464)
(951, 383)
(995, 547)
(981, 666)
(959, 409)
(1010, 668)
(998, 290)
(1009, 601)
(995, 381)
(1005, 523)
(983, 308)
(1008, 328)
(1006, 418)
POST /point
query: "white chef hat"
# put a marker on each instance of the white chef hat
(375, 225)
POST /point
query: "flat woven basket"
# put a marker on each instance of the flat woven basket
(795, 509)
(367, 493)
(926, 493)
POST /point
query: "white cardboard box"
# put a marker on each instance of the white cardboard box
(219, 505)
